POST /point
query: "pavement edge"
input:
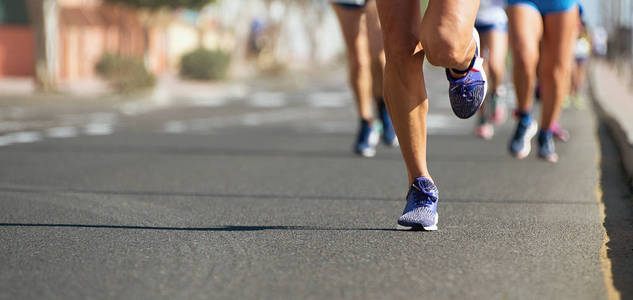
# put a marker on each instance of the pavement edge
(619, 134)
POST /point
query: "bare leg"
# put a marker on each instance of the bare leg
(447, 33)
(376, 49)
(558, 40)
(404, 89)
(355, 35)
(525, 25)
(494, 45)
(497, 42)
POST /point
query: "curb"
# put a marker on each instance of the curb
(617, 131)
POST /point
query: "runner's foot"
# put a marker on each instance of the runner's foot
(467, 93)
(520, 144)
(388, 134)
(485, 131)
(366, 140)
(420, 211)
(560, 133)
(546, 149)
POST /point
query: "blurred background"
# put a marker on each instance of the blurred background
(94, 46)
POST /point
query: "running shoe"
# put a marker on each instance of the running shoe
(485, 131)
(520, 145)
(366, 140)
(388, 133)
(466, 94)
(560, 133)
(420, 212)
(546, 148)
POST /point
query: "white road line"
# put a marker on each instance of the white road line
(267, 99)
(26, 137)
(61, 132)
(175, 127)
(96, 129)
(329, 99)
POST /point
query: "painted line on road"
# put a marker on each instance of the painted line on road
(61, 132)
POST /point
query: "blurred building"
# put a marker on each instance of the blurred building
(87, 30)
(16, 40)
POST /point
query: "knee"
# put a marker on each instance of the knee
(399, 50)
(444, 50)
(449, 56)
(525, 62)
(497, 69)
(356, 65)
(557, 74)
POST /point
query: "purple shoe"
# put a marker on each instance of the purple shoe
(466, 94)
(420, 211)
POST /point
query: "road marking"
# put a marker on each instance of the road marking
(95, 129)
(329, 99)
(6, 140)
(61, 132)
(27, 137)
(175, 127)
(267, 99)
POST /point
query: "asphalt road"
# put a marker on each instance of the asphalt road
(256, 195)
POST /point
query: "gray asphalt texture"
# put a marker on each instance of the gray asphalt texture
(276, 206)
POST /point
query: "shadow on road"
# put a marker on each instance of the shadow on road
(469, 200)
(618, 222)
(390, 155)
(212, 228)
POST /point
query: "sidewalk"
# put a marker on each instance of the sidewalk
(613, 96)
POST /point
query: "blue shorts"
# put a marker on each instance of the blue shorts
(351, 3)
(487, 27)
(546, 7)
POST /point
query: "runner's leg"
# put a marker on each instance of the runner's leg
(376, 49)
(556, 60)
(355, 37)
(525, 28)
(447, 33)
(404, 89)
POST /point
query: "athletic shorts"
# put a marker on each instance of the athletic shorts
(546, 7)
(351, 3)
(491, 16)
(488, 27)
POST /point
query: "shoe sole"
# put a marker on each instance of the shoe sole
(527, 142)
(419, 227)
(479, 66)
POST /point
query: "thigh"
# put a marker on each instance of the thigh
(400, 20)
(449, 19)
(374, 33)
(497, 46)
(525, 26)
(351, 25)
(559, 37)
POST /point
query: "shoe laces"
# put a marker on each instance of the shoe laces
(423, 197)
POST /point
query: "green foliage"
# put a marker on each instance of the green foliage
(154, 4)
(205, 64)
(125, 74)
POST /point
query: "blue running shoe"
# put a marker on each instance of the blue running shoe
(388, 134)
(366, 140)
(521, 142)
(466, 94)
(546, 148)
(421, 209)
